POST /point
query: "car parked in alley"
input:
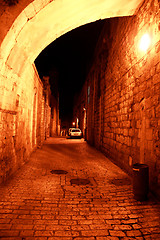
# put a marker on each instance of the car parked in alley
(75, 133)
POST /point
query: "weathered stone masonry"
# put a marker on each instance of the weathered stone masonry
(25, 118)
(123, 113)
(26, 28)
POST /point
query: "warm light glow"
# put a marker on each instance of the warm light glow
(73, 123)
(145, 42)
(77, 122)
(33, 30)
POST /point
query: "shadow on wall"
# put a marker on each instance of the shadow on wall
(11, 2)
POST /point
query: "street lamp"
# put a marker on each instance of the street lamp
(73, 123)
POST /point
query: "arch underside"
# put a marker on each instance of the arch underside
(39, 24)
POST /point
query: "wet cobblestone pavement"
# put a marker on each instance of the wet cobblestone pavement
(68, 190)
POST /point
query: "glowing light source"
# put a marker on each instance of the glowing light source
(77, 122)
(73, 124)
(145, 42)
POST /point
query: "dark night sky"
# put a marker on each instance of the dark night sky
(70, 55)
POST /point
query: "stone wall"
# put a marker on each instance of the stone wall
(123, 113)
(21, 116)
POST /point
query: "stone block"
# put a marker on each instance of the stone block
(158, 67)
(19, 23)
(149, 134)
(138, 124)
(156, 78)
(157, 113)
(126, 124)
(149, 146)
(148, 103)
(125, 132)
(38, 5)
(30, 11)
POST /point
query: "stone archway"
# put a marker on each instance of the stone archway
(41, 22)
(26, 29)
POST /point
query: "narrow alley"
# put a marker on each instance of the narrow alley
(69, 190)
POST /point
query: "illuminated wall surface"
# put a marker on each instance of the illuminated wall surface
(123, 111)
(26, 28)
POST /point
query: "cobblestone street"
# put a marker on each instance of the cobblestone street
(68, 190)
